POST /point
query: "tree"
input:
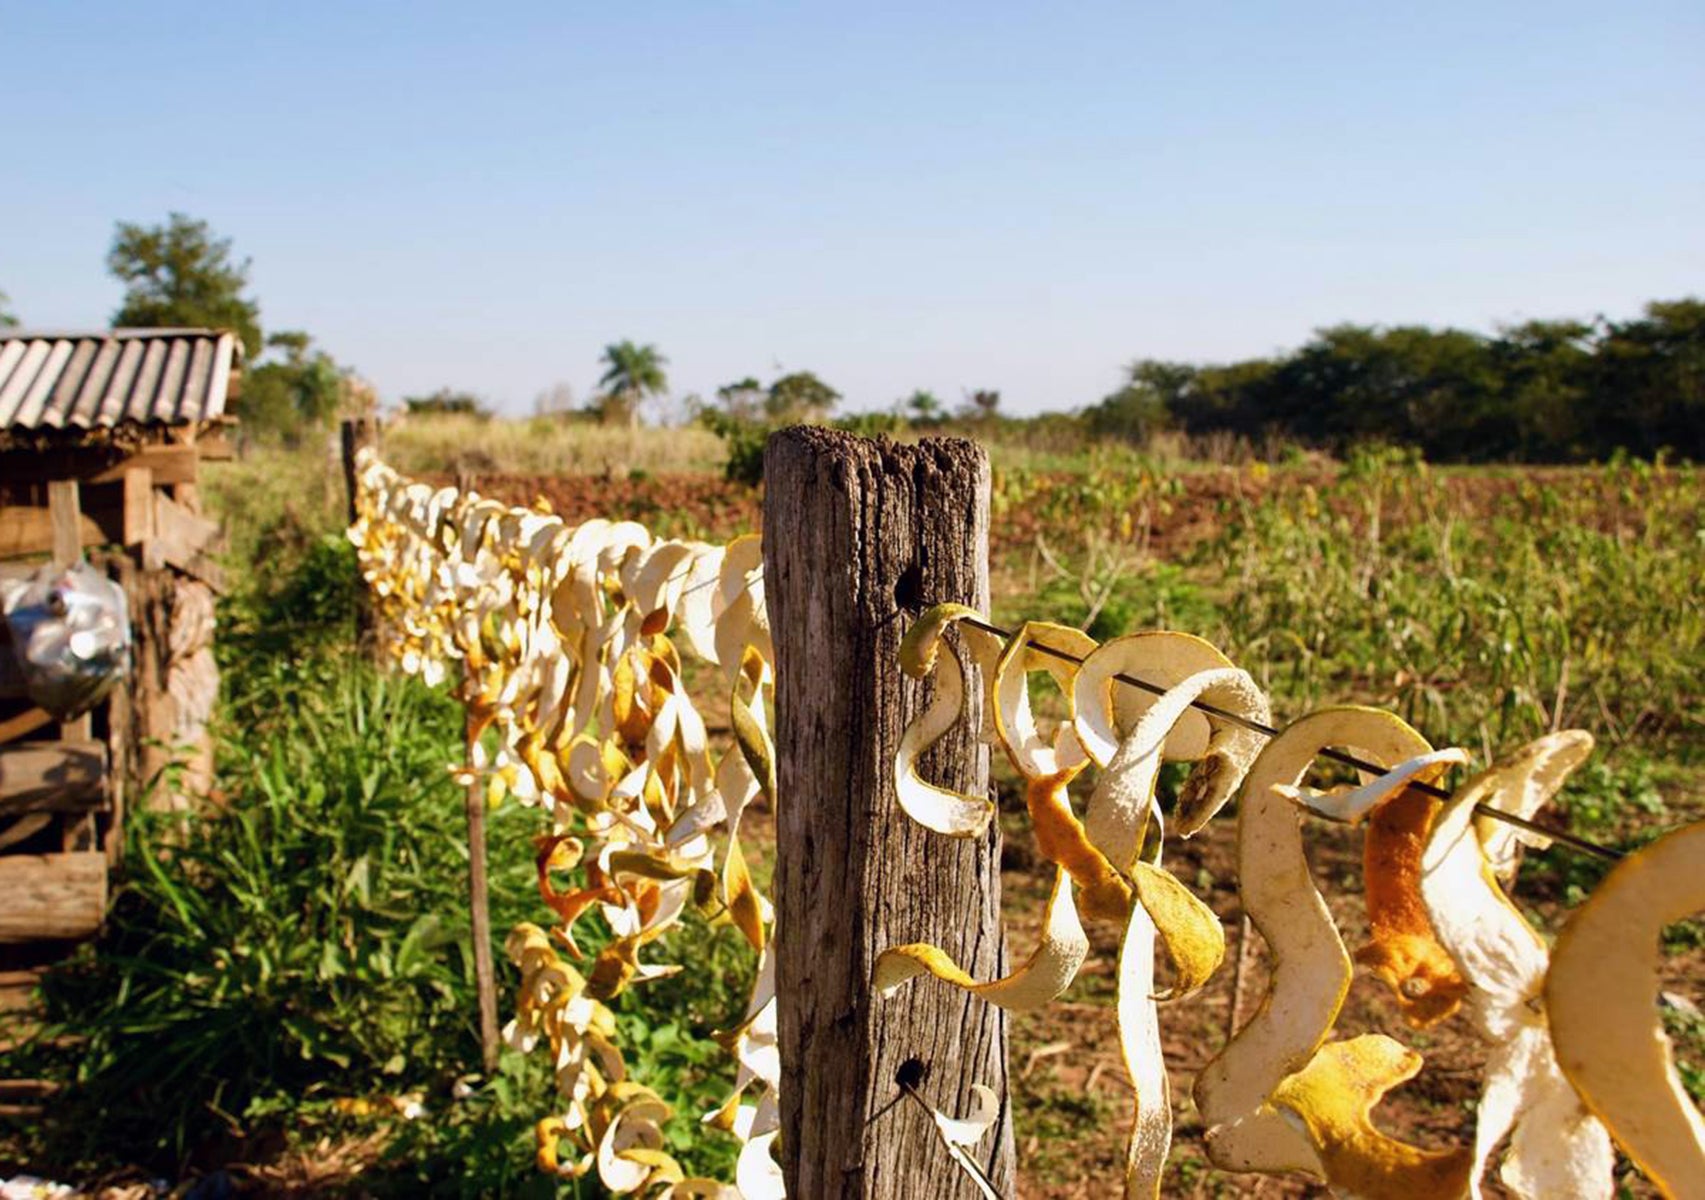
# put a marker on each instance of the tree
(1152, 391)
(1546, 369)
(179, 274)
(981, 404)
(744, 400)
(634, 372)
(446, 400)
(800, 396)
(1649, 393)
(922, 407)
(301, 390)
(7, 320)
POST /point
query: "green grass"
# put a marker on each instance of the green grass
(308, 942)
(305, 943)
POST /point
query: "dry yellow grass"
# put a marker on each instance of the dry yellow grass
(544, 446)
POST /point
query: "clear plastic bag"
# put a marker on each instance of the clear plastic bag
(70, 631)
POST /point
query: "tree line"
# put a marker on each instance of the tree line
(1541, 391)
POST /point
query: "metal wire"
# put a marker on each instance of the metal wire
(1349, 760)
(964, 1158)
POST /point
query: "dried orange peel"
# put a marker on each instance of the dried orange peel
(959, 1134)
(940, 809)
(570, 644)
(1107, 710)
(1035, 753)
(1311, 969)
(1123, 802)
(1403, 952)
(1333, 1098)
(1046, 973)
(1557, 1149)
(1600, 996)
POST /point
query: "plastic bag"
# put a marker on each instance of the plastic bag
(70, 632)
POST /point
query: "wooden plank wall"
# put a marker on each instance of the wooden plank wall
(64, 786)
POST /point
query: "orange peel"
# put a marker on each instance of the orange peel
(1600, 995)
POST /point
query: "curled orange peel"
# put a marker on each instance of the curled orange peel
(1107, 710)
(1046, 973)
(1063, 841)
(1403, 952)
(1123, 803)
(1311, 969)
(1032, 752)
(1600, 996)
(1333, 1098)
(940, 809)
(1557, 1149)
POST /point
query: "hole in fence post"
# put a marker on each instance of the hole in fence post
(908, 589)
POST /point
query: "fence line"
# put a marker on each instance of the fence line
(1110, 859)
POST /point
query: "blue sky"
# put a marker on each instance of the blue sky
(948, 196)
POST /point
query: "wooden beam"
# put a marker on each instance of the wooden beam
(167, 464)
(479, 910)
(182, 540)
(64, 508)
(52, 896)
(27, 529)
(170, 464)
(53, 777)
(359, 433)
(138, 506)
(214, 446)
(856, 533)
(19, 724)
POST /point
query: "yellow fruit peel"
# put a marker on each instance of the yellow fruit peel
(1189, 931)
(1556, 1147)
(1333, 1099)
(1600, 997)
(1311, 969)
(1033, 752)
(936, 808)
(1045, 974)
(1139, 1045)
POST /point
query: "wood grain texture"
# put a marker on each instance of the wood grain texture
(51, 895)
(860, 535)
(64, 506)
(63, 776)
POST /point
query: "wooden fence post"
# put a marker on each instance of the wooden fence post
(479, 894)
(358, 432)
(860, 535)
(479, 908)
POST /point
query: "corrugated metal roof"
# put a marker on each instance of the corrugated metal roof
(114, 377)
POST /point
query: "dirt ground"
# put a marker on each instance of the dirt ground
(700, 504)
(1070, 1085)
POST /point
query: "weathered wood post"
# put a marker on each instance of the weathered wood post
(479, 908)
(479, 892)
(358, 432)
(859, 535)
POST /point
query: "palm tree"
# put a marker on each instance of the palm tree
(634, 373)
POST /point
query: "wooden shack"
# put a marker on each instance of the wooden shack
(101, 440)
